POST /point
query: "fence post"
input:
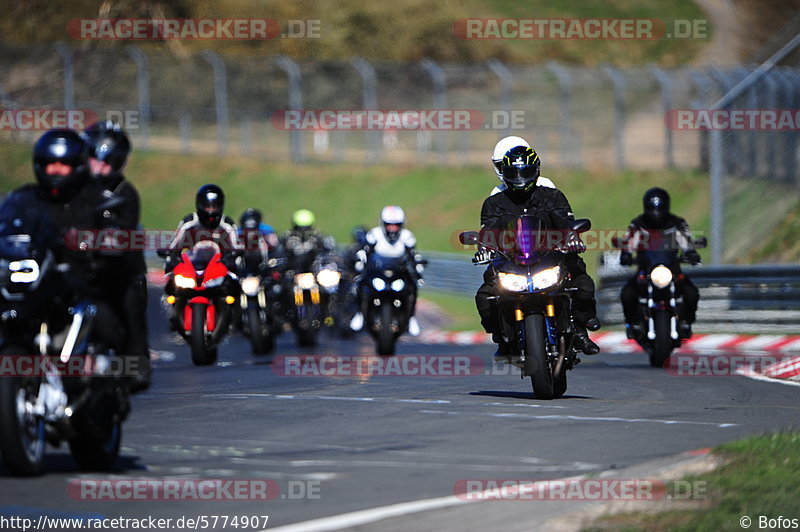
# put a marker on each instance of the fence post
(372, 139)
(506, 83)
(702, 85)
(771, 103)
(220, 98)
(717, 199)
(69, 82)
(665, 83)
(295, 104)
(439, 100)
(565, 97)
(143, 89)
(618, 82)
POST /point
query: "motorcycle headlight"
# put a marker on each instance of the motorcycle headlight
(215, 282)
(546, 278)
(250, 285)
(185, 282)
(513, 282)
(661, 276)
(328, 278)
(378, 284)
(398, 284)
(23, 271)
(304, 280)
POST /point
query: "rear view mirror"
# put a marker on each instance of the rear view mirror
(581, 225)
(468, 238)
(700, 242)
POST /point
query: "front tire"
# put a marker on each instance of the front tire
(202, 355)
(537, 366)
(22, 433)
(385, 340)
(260, 336)
(662, 345)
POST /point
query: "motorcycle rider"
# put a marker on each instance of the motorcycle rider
(108, 153)
(500, 150)
(391, 239)
(520, 169)
(62, 202)
(303, 244)
(259, 240)
(657, 221)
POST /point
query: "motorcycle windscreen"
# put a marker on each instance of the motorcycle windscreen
(202, 253)
(529, 240)
(378, 262)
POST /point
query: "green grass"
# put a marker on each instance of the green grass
(759, 478)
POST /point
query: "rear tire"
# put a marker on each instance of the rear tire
(385, 340)
(202, 355)
(662, 345)
(536, 364)
(22, 435)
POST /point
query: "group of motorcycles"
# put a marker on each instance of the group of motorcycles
(308, 295)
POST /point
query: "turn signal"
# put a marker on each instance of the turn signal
(229, 300)
(171, 300)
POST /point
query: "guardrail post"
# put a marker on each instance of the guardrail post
(439, 100)
(143, 89)
(69, 77)
(372, 139)
(618, 81)
(665, 83)
(295, 104)
(220, 98)
(506, 83)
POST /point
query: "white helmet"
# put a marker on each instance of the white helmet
(500, 149)
(392, 220)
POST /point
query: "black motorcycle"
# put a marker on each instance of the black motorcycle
(387, 291)
(534, 299)
(63, 376)
(659, 281)
(262, 293)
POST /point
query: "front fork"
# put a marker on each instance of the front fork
(549, 327)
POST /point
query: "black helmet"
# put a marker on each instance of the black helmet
(63, 146)
(656, 206)
(108, 143)
(251, 219)
(209, 203)
(520, 168)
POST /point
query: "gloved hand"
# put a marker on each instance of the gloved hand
(574, 244)
(692, 257)
(483, 255)
(626, 258)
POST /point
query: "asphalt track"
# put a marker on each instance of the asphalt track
(334, 445)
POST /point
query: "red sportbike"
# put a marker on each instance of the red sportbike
(199, 290)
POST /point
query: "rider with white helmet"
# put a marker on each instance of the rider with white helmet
(500, 149)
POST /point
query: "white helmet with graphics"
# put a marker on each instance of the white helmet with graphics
(500, 149)
(392, 220)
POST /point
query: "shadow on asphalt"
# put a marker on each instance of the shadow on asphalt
(521, 395)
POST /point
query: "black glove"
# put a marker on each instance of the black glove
(483, 255)
(574, 244)
(626, 258)
(692, 257)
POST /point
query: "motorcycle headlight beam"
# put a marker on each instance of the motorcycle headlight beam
(305, 280)
(398, 284)
(661, 276)
(546, 278)
(513, 282)
(23, 271)
(182, 281)
(250, 285)
(328, 278)
(378, 284)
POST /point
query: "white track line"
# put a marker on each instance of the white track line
(368, 399)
